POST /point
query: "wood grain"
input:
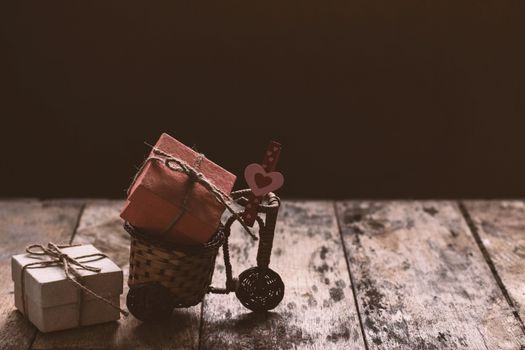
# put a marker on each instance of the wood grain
(22, 223)
(421, 280)
(100, 225)
(501, 227)
(318, 310)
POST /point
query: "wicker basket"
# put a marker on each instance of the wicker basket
(164, 275)
(185, 271)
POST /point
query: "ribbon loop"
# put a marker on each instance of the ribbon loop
(41, 250)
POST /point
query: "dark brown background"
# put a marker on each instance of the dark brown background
(371, 98)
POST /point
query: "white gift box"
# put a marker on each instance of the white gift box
(52, 302)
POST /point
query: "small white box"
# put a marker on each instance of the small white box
(52, 302)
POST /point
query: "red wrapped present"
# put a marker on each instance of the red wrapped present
(166, 202)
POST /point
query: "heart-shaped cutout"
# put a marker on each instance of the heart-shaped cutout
(260, 181)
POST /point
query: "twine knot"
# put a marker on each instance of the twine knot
(194, 176)
(176, 164)
(60, 258)
(69, 264)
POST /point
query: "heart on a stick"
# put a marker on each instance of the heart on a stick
(260, 181)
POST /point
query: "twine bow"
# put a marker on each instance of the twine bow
(179, 165)
(70, 266)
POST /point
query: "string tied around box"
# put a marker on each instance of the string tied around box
(70, 265)
(195, 176)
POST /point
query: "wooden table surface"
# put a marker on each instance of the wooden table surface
(358, 275)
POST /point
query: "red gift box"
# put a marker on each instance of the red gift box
(159, 193)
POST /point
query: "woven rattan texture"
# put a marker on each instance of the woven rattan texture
(186, 274)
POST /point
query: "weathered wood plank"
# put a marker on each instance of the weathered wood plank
(100, 225)
(23, 222)
(421, 281)
(318, 310)
(501, 227)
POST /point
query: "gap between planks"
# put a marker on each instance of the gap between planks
(23, 222)
(222, 318)
(345, 252)
(472, 227)
(318, 310)
(418, 278)
(80, 213)
(475, 233)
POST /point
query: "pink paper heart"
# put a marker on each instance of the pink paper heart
(260, 181)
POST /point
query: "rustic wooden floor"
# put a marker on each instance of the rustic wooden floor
(359, 275)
